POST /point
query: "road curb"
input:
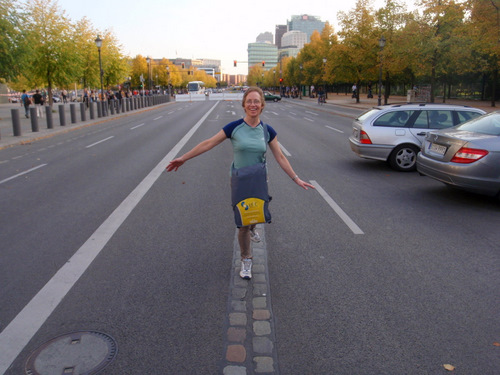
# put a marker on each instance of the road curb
(249, 329)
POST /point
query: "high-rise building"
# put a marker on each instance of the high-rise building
(259, 53)
(306, 23)
(210, 66)
(294, 38)
(278, 34)
(266, 37)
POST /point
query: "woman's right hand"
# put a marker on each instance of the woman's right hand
(174, 164)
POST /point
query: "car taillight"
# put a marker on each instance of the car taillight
(468, 155)
(363, 138)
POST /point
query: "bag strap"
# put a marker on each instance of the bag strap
(266, 133)
(266, 138)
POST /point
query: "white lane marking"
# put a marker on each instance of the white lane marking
(137, 126)
(25, 325)
(308, 119)
(312, 113)
(351, 224)
(157, 118)
(285, 151)
(22, 173)
(337, 130)
(169, 113)
(102, 140)
(293, 113)
(274, 113)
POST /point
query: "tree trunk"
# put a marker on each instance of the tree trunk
(494, 87)
(387, 91)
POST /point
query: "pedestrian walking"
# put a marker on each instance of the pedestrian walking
(249, 137)
(38, 101)
(26, 100)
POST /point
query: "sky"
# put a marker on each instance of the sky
(196, 29)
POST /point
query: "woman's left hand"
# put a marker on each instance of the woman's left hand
(303, 184)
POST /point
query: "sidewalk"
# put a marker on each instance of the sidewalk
(8, 139)
(366, 103)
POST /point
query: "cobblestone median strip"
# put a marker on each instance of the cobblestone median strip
(249, 330)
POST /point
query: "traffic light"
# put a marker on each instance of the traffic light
(235, 63)
(182, 65)
(281, 80)
(263, 63)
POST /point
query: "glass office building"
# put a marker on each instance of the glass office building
(306, 24)
(259, 52)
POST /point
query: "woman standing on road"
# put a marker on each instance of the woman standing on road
(247, 137)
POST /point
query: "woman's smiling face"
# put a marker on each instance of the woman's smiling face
(253, 104)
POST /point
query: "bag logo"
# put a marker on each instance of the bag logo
(251, 211)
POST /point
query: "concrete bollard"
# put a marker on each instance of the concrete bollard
(99, 109)
(16, 122)
(112, 107)
(72, 111)
(105, 108)
(92, 110)
(34, 120)
(48, 113)
(83, 115)
(62, 115)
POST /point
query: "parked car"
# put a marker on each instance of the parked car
(395, 133)
(269, 96)
(466, 156)
(56, 98)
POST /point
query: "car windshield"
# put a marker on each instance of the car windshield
(488, 124)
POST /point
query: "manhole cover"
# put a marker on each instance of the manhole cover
(76, 353)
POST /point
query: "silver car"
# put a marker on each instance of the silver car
(395, 133)
(466, 156)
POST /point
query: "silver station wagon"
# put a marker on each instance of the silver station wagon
(395, 133)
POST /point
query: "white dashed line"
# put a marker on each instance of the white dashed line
(22, 173)
(285, 151)
(351, 224)
(337, 130)
(102, 140)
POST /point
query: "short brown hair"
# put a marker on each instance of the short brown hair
(257, 90)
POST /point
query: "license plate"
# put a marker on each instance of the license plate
(438, 149)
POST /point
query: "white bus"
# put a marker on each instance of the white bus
(196, 87)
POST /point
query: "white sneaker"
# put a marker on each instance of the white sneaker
(254, 236)
(246, 269)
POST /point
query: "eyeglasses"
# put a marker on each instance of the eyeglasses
(250, 102)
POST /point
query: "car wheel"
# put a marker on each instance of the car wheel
(404, 158)
(275, 100)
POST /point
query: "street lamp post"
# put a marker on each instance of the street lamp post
(324, 79)
(168, 81)
(149, 73)
(98, 43)
(300, 81)
(381, 44)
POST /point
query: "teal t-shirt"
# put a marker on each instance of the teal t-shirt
(249, 146)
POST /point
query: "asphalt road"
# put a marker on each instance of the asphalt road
(375, 272)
